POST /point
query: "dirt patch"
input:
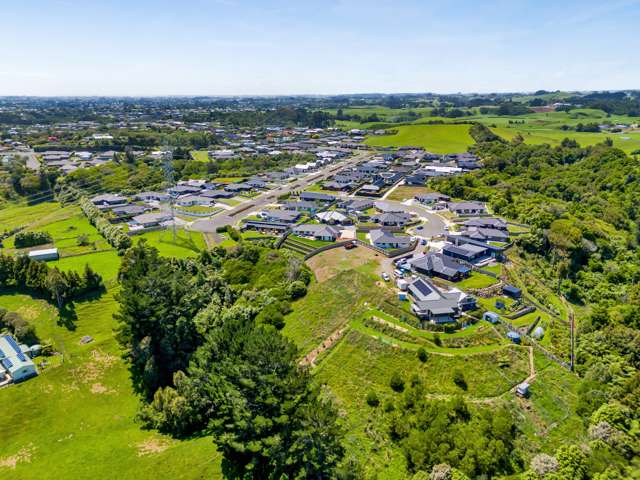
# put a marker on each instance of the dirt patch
(99, 388)
(327, 265)
(29, 312)
(310, 358)
(22, 456)
(151, 446)
(95, 368)
(382, 321)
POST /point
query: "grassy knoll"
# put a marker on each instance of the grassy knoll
(187, 244)
(327, 306)
(447, 138)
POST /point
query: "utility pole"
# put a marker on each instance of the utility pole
(169, 177)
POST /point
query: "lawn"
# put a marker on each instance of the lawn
(20, 215)
(105, 263)
(200, 155)
(309, 241)
(406, 192)
(186, 244)
(476, 280)
(77, 420)
(447, 138)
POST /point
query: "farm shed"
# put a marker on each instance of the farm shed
(45, 254)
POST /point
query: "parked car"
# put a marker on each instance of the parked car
(398, 273)
(385, 277)
(350, 245)
(423, 241)
(419, 227)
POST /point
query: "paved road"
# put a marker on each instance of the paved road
(258, 203)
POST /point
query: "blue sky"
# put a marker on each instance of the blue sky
(237, 47)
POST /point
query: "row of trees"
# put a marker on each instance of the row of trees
(205, 352)
(61, 286)
(112, 233)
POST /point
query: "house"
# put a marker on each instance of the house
(178, 190)
(466, 252)
(383, 239)
(301, 206)
(44, 255)
(191, 200)
(467, 208)
(398, 219)
(387, 207)
(432, 198)
(13, 361)
(494, 251)
(317, 197)
(333, 217)
(152, 196)
(356, 205)
(108, 200)
(256, 183)
(217, 194)
(439, 265)
(280, 216)
(486, 234)
(317, 232)
(493, 223)
(276, 227)
(429, 303)
(238, 187)
(148, 220)
(129, 211)
(341, 187)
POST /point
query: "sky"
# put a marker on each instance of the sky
(279, 47)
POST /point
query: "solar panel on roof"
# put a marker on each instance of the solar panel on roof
(2, 355)
(22, 357)
(423, 288)
(7, 363)
(12, 343)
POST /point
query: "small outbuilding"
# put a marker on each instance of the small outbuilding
(522, 390)
(538, 333)
(44, 255)
(514, 337)
(511, 291)
(491, 317)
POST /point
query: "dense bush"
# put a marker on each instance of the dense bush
(30, 239)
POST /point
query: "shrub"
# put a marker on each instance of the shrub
(437, 340)
(459, 380)
(396, 382)
(83, 240)
(372, 399)
(422, 355)
(296, 290)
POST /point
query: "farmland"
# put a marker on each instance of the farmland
(434, 138)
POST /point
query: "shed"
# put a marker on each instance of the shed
(402, 296)
(538, 333)
(402, 284)
(522, 389)
(514, 337)
(511, 291)
(44, 254)
(491, 317)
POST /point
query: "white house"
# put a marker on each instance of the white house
(14, 362)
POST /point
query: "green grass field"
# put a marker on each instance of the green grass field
(433, 138)
(200, 155)
(187, 244)
(77, 418)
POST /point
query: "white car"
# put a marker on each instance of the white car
(385, 277)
